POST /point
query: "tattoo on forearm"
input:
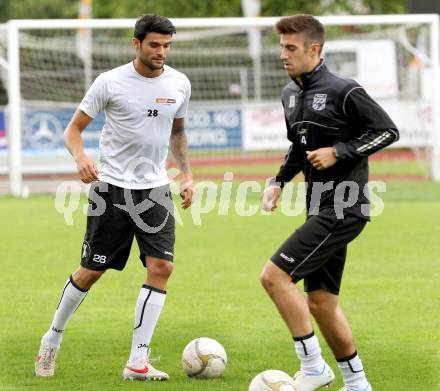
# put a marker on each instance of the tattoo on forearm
(179, 148)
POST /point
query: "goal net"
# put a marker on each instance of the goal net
(236, 75)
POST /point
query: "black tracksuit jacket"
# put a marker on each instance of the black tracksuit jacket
(333, 111)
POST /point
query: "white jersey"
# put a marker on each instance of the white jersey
(139, 112)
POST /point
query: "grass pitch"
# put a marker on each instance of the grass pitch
(390, 294)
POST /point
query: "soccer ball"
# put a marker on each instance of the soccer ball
(204, 358)
(272, 380)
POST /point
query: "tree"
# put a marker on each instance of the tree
(332, 7)
(170, 8)
(41, 9)
(33, 9)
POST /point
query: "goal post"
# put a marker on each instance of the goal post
(230, 86)
(14, 111)
(435, 60)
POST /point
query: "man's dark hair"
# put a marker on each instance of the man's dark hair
(152, 23)
(306, 24)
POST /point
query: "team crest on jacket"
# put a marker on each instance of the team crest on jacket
(291, 101)
(319, 101)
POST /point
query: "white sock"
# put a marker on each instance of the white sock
(353, 372)
(309, 352)
(148, 307)
(71, 298)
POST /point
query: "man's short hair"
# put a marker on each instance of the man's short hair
(308, 25)
(152, 23)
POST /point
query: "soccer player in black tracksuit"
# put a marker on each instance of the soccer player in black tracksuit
(334, 126)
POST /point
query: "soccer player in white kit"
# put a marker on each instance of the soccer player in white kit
(145, 102)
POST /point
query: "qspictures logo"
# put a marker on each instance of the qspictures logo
(222, 198)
